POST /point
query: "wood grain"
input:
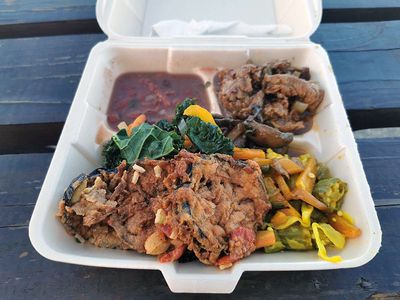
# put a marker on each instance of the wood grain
(43, 80)
(29, 11)
(359, 37)
(39, 76)
(360, 3)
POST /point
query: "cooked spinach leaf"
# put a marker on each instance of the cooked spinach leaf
(206, 137)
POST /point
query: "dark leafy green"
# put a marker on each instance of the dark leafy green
(207, 138)
(146, 141)
(165, 125)
(111, 155)
(181, 108)
(165, 139)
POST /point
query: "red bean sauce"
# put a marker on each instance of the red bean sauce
(154, 94)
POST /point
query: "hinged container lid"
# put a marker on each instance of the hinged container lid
(132, 20)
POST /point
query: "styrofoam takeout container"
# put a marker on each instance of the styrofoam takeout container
(127, 23)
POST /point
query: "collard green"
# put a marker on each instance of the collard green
(207, 138)
(146, 141)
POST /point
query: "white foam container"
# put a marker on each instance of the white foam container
(127, 23)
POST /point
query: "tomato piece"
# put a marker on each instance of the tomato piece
(244, 234)
(226, 260)
(166, 229)
(172, 255)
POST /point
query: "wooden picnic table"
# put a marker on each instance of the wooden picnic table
(44, 45)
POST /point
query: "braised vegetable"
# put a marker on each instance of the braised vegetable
(324, 235)
(202, 113)
(111, 154)
(180, 110)
(152, 141)
(138, 121)
(262, 161)
(265, 238)
(246, 153)
(146, 141)
(290, 166)
(309, 199)
(331, 191)
(344, 226)
(276, 247)
(74, 190)
(306, 178)
(323, 172)
(267, 136)
(283, 186)
(165, 125)
(207, 138)
(236, 132)
(295, 237)
(274, 194)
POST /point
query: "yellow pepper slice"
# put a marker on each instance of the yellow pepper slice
(200, 112)
(306, 178)
(332, 235)
(263, 161)
(247, 153)
(345, 215)
(282, 221)
(306, 211)
(271, 154)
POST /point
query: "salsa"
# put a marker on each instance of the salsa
(154, 94)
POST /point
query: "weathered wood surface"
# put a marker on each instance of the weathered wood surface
(342, 4)
(35, 11)
(23, 272)
(32, 11)
(38, 79)
(40, 75)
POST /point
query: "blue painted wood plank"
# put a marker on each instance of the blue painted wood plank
(349, 37)
(360, 3)
(40, 75)
(30, 11)
(368, 80)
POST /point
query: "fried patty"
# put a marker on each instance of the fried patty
(211, 205)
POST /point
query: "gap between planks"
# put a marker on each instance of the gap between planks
(80, 26)
(43, 137)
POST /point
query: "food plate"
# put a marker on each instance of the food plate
(330, 140)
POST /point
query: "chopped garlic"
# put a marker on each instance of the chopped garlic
(270, 228)
(122, 125)
(160, 216)
(79, 238)
(311, 175)
(157, 171)
(340, 213)
(135, 177)
(138, 168)
(222, 267)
